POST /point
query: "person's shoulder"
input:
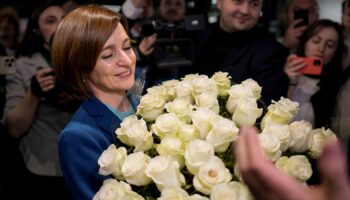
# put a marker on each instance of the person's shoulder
(35, 60)
(265, 39)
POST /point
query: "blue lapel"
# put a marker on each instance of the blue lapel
(104, 118)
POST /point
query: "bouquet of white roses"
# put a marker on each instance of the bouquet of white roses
(179, 142)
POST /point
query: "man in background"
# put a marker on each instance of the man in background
(236, 45)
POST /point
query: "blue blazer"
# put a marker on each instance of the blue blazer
(82, 141)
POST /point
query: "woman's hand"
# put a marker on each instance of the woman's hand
(43, 81)
(291, 68)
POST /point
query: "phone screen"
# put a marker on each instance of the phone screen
(302, 14)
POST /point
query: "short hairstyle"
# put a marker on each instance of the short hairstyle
(77, 43)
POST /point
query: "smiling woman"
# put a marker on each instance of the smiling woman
(93, 57)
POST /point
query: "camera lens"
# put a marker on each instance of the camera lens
(317, 62)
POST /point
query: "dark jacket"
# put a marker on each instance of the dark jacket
(248, 54)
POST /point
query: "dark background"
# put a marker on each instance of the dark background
(270, 19)
(26, 7)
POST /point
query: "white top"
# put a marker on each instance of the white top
(305, 88)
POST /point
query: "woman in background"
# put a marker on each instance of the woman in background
(33, 112)
(322, 40)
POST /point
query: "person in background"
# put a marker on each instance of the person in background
(33, 112)
(236, 45)
(135, 11)
(345, 20)
(163, 23)
(322, 40)
(293, 30)
(171, 10)
(265, 181)
(9, 29)
(330, 103)
(69, 5)
(100, 81)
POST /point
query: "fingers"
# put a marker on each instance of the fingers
(46, 78)
(249, 157)
(264, 180)
(147, 43)
(333, 168)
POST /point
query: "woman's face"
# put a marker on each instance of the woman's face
(322, 45)
(49, 20)
(115, 66)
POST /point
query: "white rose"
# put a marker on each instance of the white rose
(172, 193)
(211, 173)
(188, 132)
(246, 112)
(197, 153)
(111, 190)
(237, 92)
(202, 119)
(209, 100)
(270, 146)
(281, 132)
(254, 86)
(165, 172)
(170, 87)
(320, 136)
(297, 166)
(134, 167)
(133, 132)
(301, 138)
(230, 191)
(172, 146)
(184, 89)
(190, 77)
(166, 125)
(182, 107)
(282, 112)
(160, 91)
(197, 197)
(111, 160)
(151, 106)
(224, 131)
(223, 82)
(202, 84)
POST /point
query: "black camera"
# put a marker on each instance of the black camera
(173, 47)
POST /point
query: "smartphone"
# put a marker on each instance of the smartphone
(313, 66)
(302, 14)
(7, 65)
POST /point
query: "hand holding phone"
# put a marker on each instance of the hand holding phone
(313, 66)
(302, 14)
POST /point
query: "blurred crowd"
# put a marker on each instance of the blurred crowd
(170, 38)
